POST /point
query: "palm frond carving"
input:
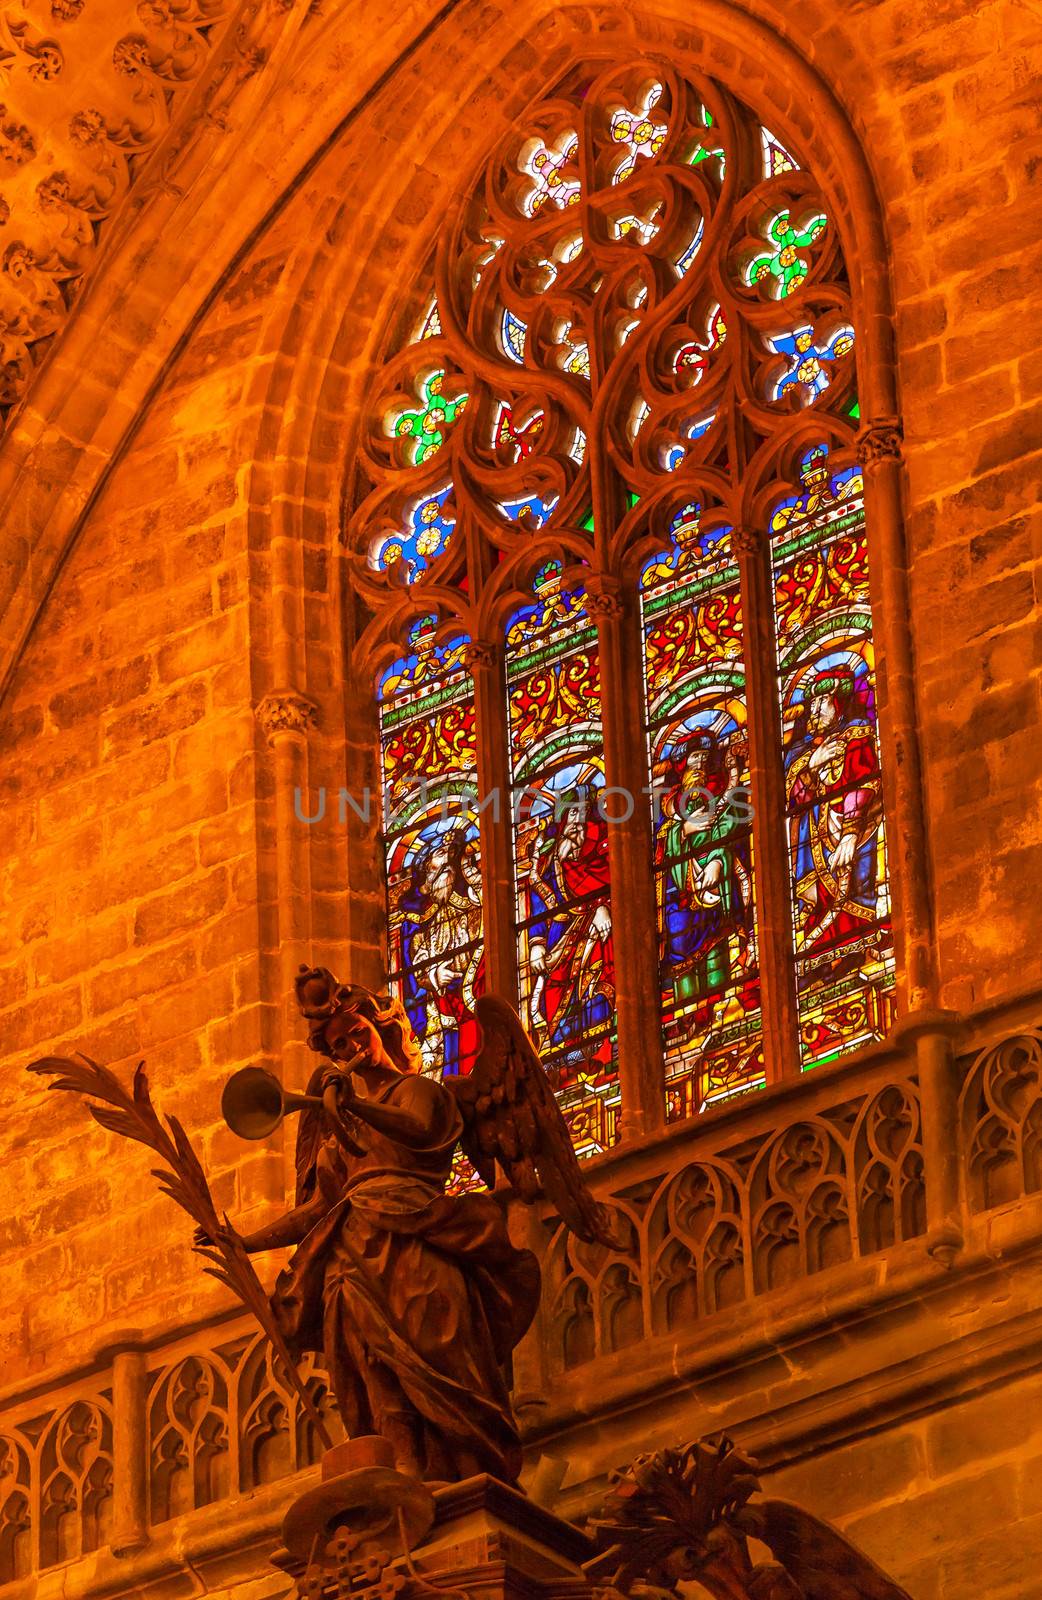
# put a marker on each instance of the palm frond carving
(133, 1116)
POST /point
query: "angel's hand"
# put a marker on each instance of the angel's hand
(337, 1085)
(203, 1239)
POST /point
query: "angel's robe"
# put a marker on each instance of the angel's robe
(416, 1298)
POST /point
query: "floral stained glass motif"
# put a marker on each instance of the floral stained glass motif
(639, 133)
(776, 159)
(691, 616)
(556, 180)
(430, 322)
(564, 920)
(429, 526)
(574, 353)
(805, 359)
(781, 268)
(426, 425)
(433, 860)
(836, 840)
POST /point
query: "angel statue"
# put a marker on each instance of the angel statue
(415, 1297)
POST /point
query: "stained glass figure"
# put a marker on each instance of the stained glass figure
(836, 839)
(553, 170)
(782, 269)
(429, 525)
(435, 936)
(776, 159)
(695, 341)
(426, 425)
(695, 707)
(806, 358)
(564, 920)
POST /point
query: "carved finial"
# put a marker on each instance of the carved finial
(603, 596)
(880, 441)
(745, 541)
(480, 654)
(286, 711)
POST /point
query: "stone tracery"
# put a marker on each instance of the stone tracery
(642, 305)
(65, 171)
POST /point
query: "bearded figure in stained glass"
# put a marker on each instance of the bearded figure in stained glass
(705, 872)
(835, 805)
(443, 958)
(570, 936)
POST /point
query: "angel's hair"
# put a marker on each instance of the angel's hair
(391, 1021)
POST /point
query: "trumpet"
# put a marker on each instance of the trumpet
(254, 1102)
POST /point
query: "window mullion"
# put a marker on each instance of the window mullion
(485, 660)
(634, 922)
(774, 914)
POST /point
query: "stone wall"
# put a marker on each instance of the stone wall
(156, 892)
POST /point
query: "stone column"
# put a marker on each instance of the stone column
(879, 452)
(634, 919)
(933, 1035)
(129, 1450)
(484, 659)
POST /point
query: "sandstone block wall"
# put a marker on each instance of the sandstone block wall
(141, 912)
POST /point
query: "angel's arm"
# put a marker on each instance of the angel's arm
(290, 1229)
(411, 1123)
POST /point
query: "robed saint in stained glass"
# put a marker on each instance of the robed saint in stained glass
(698, 755)
(566, 953)
(432, 845)
(836, 843)
(605, 419)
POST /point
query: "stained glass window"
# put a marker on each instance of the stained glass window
(836, 844)
(432, 844)
(566, 956)
(592, 453)
(698, 749)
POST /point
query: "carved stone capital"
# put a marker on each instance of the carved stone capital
(604, 597)
(879, 441)
(480, 655)
(285, 711)
(746, 541)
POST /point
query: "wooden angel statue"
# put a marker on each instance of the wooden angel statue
(415, 1297)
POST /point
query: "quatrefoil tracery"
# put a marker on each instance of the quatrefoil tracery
(643, 282)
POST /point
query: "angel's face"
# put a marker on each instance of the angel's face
(362, 1037)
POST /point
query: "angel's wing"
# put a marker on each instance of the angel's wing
(510, 1115)
(817, 1556)
(310, 1131)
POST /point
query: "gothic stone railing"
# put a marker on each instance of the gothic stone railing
(898, 1151)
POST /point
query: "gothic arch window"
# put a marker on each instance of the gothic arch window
(609, 520)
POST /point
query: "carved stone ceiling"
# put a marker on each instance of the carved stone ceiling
(87, 89)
